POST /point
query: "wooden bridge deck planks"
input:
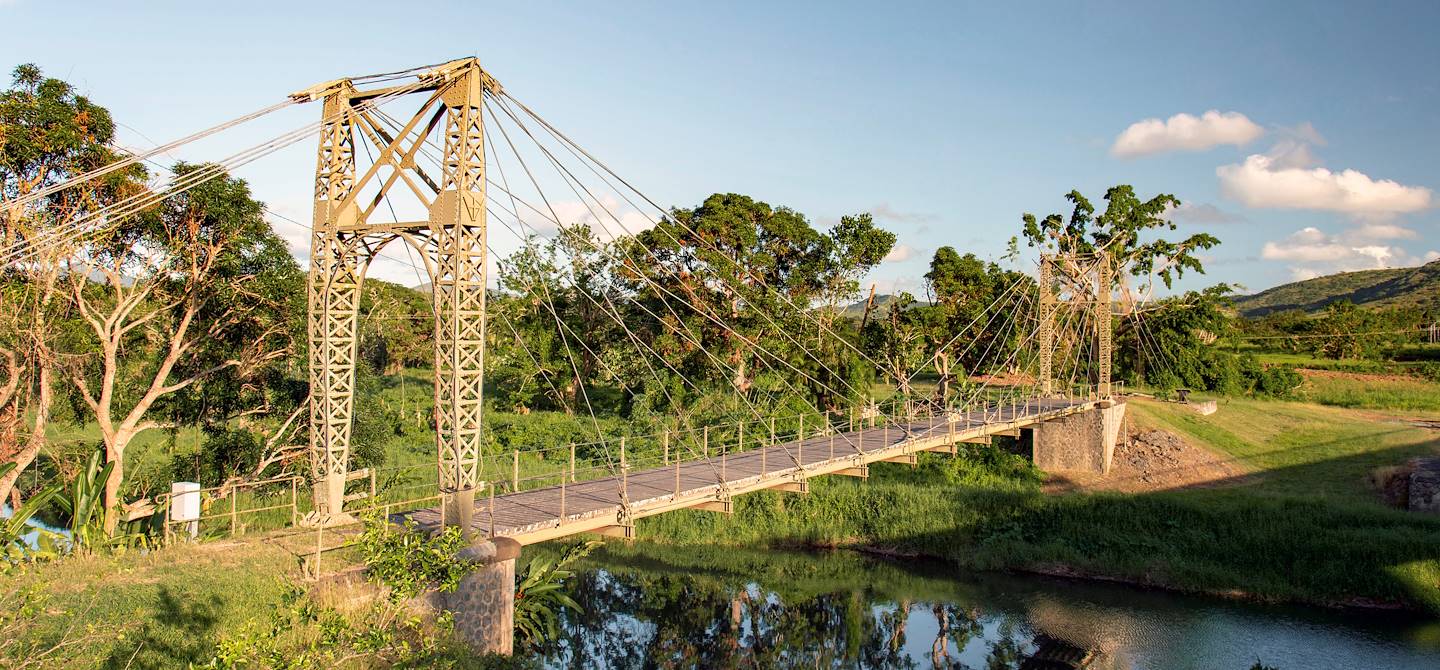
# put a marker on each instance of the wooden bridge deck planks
(535, 515)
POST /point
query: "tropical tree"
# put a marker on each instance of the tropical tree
(749, 274)
(198, 292)
(49, 134)
(1122, 233)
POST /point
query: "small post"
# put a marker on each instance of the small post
(833, 430)
(763, 469)
(372, 486)
(515, 471)
(623, 465)
(319, 542)
(294, 502)
(705, 442)
(723, 451)
(561, 520)
(677, 479)
(492, 512)
(665, 446)
(740, 437)
(572, 462)
(800, 442)
(234, 494)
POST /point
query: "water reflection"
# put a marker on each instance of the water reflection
(656, 607)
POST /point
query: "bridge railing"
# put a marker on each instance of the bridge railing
(236, 508)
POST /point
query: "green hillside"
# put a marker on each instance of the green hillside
(1394, 287)
(882, 303)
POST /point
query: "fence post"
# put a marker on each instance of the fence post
(561, 520)
(705, 441)
(234, 494)
(624, 476)
(665, 446)
(572, 462)
(677, 479)
(800, 444)
(763, 469)
(372, 486)
(833, 430)
(492, 512)
(724, 449)
(294, 500)
(515, 471)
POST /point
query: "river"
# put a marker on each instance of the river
(648, 606)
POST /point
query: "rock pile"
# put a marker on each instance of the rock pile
(1150, 450)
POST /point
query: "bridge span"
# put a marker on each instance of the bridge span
(610, 505)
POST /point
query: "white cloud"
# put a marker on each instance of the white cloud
(901, 253)
(1184, 132)
(1314, 253)
(1374, 230)
(1204, 213)
(1261, 182)
(1432, 255)
(885, 212)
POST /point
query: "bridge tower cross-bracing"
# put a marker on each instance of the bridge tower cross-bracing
(1084, 281)
(451, 240)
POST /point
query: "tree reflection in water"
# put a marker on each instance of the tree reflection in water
(649, 606)
(639, 619)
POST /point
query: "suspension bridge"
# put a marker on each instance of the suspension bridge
(610, 505)
(470, 155)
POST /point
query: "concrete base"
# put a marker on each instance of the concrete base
(1083, 442)
(483, 605)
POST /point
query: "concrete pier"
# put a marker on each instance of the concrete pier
(483, 605)
(1082, 442)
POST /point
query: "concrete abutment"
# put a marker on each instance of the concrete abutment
(1081, 442)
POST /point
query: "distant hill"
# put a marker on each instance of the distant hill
(882, 302)
(1394, 287)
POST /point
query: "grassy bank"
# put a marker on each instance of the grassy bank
(1304, 527)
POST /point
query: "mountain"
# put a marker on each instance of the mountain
(882, 302)
(1393, 287)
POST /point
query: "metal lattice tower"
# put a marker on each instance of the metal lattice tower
(1086, 282)
(451, 240)
(1047, 325)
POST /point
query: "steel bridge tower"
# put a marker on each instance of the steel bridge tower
(451, 240)
(1085, 281)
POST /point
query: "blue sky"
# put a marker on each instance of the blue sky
(945, 120)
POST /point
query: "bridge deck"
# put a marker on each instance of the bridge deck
(596, 505)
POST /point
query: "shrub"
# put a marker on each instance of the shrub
(408, 560)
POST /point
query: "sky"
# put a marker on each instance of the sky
(1304, 135)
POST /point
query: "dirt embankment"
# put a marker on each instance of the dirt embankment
(1147, 459)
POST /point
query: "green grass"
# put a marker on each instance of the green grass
(164, 609)
(1297, 448)
(1399, 394)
